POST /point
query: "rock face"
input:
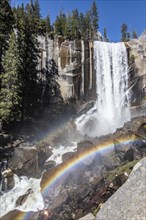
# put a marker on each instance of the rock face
(137, 64)
(129, 200)
(75, 65)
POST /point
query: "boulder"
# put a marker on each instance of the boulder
(67, 156)
(8, 181)
(21, 200)
(49, 164)
(131, 154)
(60, 200)
(5, 139)
(129, 200)
(84, 145)
(28, 161)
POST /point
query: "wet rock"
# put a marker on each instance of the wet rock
(49, 164)
(83, 145)
(60, 200)
(41, 159)
(25, 162)
(86, 108)
(67, 156)
(21, 200)
(131, 154)
(8, 181)
(5, 139)
(90, 216)
(120, 147)
(16, 143)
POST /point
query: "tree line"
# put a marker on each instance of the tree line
(23, 93)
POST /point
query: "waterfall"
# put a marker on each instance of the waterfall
(112, 107)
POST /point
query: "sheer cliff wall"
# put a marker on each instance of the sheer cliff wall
(75, 66)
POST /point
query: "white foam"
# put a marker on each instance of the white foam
(33, 202)
(59, 151)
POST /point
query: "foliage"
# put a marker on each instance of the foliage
(6, 26)
(77, 26)
(60, 24)
(121, 170)
(10, 96)
(105, 35)
(125, 35)
(134, 35)
(94, 18)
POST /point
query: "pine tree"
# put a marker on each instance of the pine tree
(128, 36)
(94, 18)
(82, 26)
(105, 35)
(10, 96)
(68, 26)
(28, 56)
(88, 26)
(6, 25)
(124, 33)
(37, 10)
(134, 35)
(75, 25)
(48, 24)
(60, 24)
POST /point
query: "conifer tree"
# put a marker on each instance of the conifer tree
(94, 18)
(125, 35)
(6, 25)
(68, 27)
(75, 25)
(134, 35)
(88, 26)
(60, 24)
(105, 35)
(10, 96)
(82, 26)
(128, 36)
(37, 10)
(48, 24)
(28, 55)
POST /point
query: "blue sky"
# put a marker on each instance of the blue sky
(112, 13)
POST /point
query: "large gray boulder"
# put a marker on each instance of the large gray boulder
(129, 201)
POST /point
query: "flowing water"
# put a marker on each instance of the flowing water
(112, 107)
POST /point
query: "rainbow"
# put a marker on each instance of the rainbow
(54, 175)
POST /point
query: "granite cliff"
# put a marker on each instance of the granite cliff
(75, 65)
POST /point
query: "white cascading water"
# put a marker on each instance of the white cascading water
(112, 107)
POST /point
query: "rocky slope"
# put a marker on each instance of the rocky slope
(129, 201)
(87, 185)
